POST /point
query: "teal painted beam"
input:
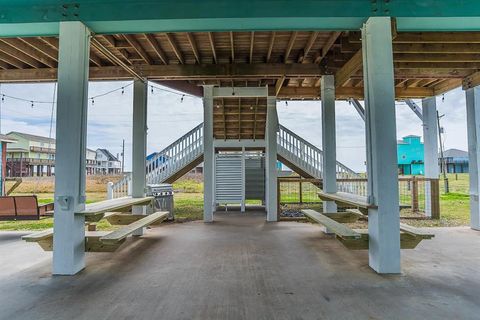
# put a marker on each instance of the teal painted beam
(36, 17)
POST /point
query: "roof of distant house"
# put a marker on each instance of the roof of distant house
(5, 138)
(32, 137)
(454, 153)
(109, 155)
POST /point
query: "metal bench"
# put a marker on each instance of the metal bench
(22, 208)
(357, 239)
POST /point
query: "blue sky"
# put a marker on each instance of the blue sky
(109, 119)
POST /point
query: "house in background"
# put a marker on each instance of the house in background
(454, 160)
(107, 163)
(91, 159)
(4, 140)
(30, 155)
(410, 156)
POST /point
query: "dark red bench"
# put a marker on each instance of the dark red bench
(22, 208)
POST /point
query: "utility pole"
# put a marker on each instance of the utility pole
(442, 163)
(123, 156)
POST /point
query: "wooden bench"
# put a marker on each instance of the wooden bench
(22, 208)
(357, 239)
(101, 241)
(95, 212)
(339, 229)
(348, 200)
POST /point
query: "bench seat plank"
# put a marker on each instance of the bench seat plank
(339, 229)
(38, 236)
(407, 240)
(124, 232)
(344, 217)
(347, 198)
(416, 231)
(95, 211)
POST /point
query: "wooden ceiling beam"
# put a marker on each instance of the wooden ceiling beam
(252, 40)
(12, 61)
(232, 47)
(41, 47)
(156, 47)
(349, 68)
(311, 41)
(437, 65)
(181, 72)
(289, 48)
(193, 44)
(350, 92)
(471, 81)
(132, 40)
(327, 46)
(270, 47)
(19, 55)
(426, 37)
(432, 57)
(212, 46)
(175, 48)
(30, 51)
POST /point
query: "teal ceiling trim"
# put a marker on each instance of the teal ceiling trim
(226, 24)
(135, 16)
(29, 29)
(438, 24)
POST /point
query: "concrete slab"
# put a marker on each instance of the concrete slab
(242, 267)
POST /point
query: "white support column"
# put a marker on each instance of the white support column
(473, 133)
(430, 147)
(208, 155)
(242, 205)
(271, 159)
(384, 220)
(71, 133)
(329, 140)
(139, 146)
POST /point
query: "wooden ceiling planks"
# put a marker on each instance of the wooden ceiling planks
(435, 60)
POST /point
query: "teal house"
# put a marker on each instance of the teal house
(410, 156)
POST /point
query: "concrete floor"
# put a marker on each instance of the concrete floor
(243, 268)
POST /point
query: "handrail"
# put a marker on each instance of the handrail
(189, 147)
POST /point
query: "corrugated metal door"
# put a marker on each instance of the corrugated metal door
(255, 177)
(228, 178)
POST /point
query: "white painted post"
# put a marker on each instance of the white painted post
(271, 159)
(139, 146)
(71, 133)
(110, 190)
(384, 220)
(430, 147)
(473, 133)
(242, 205)
(208, 154)
(329, 140)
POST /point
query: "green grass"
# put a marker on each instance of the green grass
(454, 206)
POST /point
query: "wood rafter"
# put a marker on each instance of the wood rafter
(175, 48)
(232, 47)
(291, 42)
(252, 41)
(270, 47)
(327, 46)
(30, 51)
(308, 47)
(138, 48)
(193, 44)
(348, 69)
(156, 47)
(41, 47)
(212, 46)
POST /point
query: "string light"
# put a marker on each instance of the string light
(92, 98)
(443, 97)
(286, 103)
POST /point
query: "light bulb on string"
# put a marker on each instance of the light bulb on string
(443, 97)
(286, 103)
(151, 89)
(93, 101)
(181, 99)
(3, 97)
(123, 90)
(31, 104)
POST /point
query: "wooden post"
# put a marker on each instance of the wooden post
(414, 192)
(300, 196)
(435, 198)
(278, 199)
